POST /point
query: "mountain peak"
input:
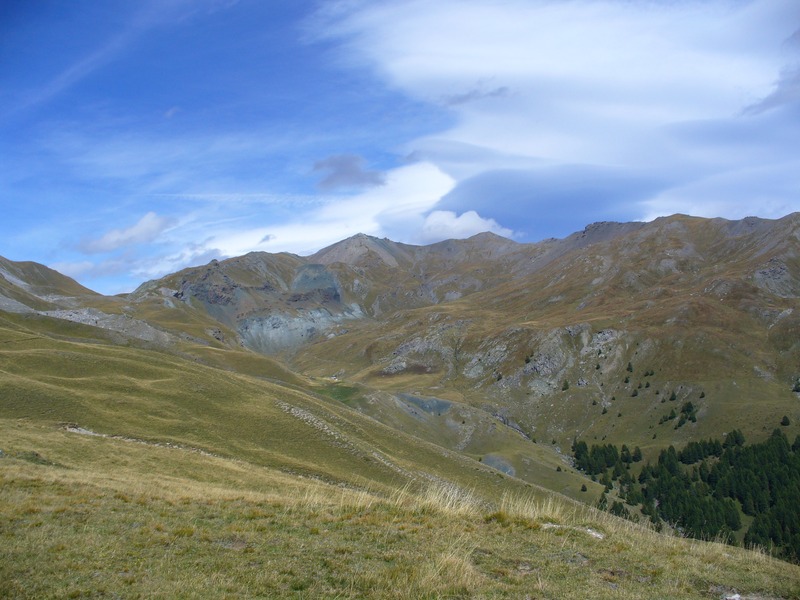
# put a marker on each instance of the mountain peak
(358, 249)
(488, 235)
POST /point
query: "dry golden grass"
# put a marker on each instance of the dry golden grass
(129, 524)
(319, 502)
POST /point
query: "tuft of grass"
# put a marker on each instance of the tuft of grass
(443, 497)
(533, 508)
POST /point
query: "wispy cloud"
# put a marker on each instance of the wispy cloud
(146, 230)
(598, 84)
(786, 92)
(189, 254)
(142, 18)
(474, 95)
(114, 266)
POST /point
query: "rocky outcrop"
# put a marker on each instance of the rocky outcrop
(271, 334)
(777, 278)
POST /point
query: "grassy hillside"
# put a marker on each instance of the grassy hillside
(87, 516)
(418, 448)
(130, 472)
(158, 397)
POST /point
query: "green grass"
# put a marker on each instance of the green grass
(217, 473)
(164, 398)
(341, 392)
(121, 519)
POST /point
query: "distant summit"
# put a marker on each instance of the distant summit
(362, 249)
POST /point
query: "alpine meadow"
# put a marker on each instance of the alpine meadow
(614, 414)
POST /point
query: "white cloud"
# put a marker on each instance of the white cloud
(189, 255)
(147, 229)
(663, 52)
(73, 269)
(444, 224)
(395, 210)
(589, 82)
(757, 191)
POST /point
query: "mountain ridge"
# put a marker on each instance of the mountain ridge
(501, 325)
(400, 384)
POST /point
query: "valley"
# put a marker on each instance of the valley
(380, 417)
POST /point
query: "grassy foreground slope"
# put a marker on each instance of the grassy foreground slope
(87, 516)
(128, 472)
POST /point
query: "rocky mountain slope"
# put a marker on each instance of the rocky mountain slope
(319, 398)
(597, 335)
(622, 315)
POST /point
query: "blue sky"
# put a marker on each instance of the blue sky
(138, 138)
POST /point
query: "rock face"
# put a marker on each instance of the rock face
(280, 332)
(485, 309)
(279, 303)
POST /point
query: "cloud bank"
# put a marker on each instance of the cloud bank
(613, 109)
